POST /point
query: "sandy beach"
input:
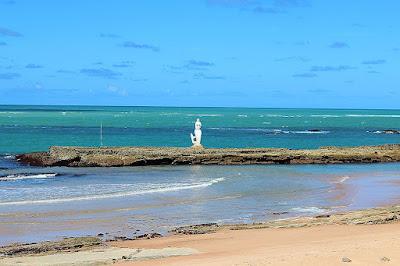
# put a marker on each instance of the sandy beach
(324, 245)
(365, 237)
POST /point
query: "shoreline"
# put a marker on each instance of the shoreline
(374, 218)
(144, 156)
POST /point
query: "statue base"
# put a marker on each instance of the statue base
(197, 146)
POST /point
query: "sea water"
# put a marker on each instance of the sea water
(35, 128)
(49, 203)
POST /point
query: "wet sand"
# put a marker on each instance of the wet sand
(364, 237)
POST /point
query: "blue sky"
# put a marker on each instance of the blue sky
(252, 53)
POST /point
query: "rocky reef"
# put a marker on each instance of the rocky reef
(141, 156)
(382, 215)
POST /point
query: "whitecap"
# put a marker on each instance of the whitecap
(205, 115)
(384, 116)
(325, 116)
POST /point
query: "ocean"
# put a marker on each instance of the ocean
(35, 128)
(49, 203)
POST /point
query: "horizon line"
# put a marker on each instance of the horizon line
(173, 106)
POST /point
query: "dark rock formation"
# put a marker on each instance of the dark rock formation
(391, 131)
(50, 247)
(140, 156)
(383, 215)
(387, 131)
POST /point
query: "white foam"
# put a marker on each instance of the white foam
(343, 179)
(116, 195)
(205, 115)
(387, 116)
(26, 176)
(325, 116)
(309, 210)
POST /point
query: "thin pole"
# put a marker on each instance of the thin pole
(101, 134)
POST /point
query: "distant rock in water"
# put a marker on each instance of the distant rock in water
(387, 131)
(391, 131)
(314, 130)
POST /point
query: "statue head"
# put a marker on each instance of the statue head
(197, 125)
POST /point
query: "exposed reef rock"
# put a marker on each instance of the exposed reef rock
(140, 156)
(383, 215)
(51, 247)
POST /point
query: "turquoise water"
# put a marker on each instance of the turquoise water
(48, 203)
(35, 128)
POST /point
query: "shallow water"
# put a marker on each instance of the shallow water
(48, 203)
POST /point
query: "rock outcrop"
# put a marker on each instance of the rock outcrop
(384, 215)
(140, 156)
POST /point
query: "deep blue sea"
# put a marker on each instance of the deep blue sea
(49, 203)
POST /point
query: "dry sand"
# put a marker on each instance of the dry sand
(319, 245)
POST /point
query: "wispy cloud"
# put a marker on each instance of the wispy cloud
(173, 69)
(302, 43)
(374, 62)
(100, 72)
(3, 43)
(267, 7)
(292, 3)
(33, 66)
(305, 75)
(124, 64)
(199, 63)
(266, 10)
(64, 71)
(331, 68)
(204, 76)
(109, 35)
(9, 75)
(292, 59)
(231, 3)
(192, 64)
(9, 33)
(141, 46)
(338, 45)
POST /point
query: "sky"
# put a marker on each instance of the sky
(237, 53)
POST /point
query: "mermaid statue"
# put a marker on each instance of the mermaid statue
(196, 138)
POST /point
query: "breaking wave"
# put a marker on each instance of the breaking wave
(16, 177)
(119, 194)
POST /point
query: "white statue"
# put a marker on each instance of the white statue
(196, 139)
